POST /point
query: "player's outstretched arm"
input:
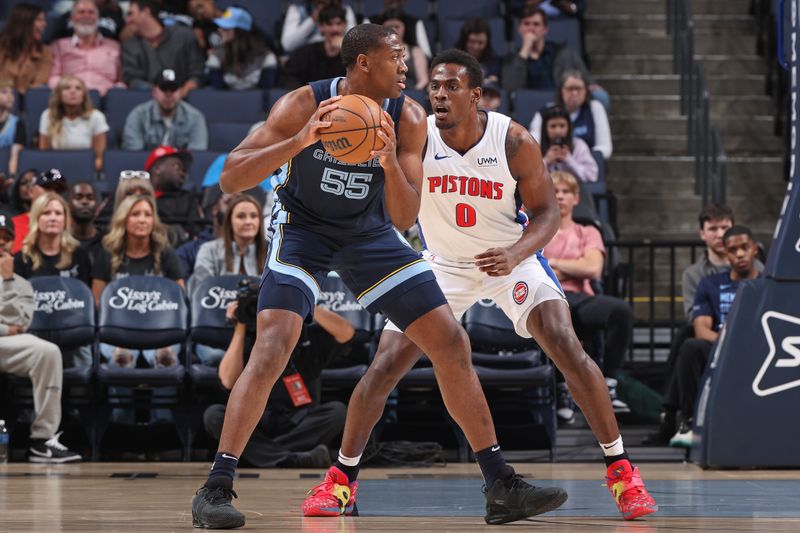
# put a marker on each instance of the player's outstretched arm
(293, 124)
(538, 196)
(401, 160)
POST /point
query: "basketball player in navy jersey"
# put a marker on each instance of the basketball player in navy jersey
(335, 216)
(476, 165)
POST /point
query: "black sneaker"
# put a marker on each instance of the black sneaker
(212, 509)
(319, 457)
(513, 499)
(52, 452)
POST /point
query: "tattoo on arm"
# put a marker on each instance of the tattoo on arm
(514, 142)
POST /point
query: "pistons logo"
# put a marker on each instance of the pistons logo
(520, 292)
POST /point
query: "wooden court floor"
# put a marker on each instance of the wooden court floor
(155, 497)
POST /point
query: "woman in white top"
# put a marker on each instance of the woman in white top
(71, 122)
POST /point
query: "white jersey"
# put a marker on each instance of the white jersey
(469, 203)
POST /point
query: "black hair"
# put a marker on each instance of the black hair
(84, 182)
(473, 26)
(152, 5)
(330, 12)
(715, 212)
(459, 57)
(17, 203)
(549, 113)
(737, 230)
(363, 39)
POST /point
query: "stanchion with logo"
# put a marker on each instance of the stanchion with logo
(747, 411)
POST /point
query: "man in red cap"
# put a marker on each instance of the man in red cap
(177, 207)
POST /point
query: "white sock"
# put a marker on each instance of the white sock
(613, 448)
(349, 461)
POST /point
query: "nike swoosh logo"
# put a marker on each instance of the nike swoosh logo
(723, 287)
(226, 456)
(607, 447)
(438, 157)
(495, 448)
(40, 454)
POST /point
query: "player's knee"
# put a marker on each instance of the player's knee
(269, 355)
(567, 350)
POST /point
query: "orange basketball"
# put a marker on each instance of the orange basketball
(352, 134)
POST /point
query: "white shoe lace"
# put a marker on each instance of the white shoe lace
(53, 442)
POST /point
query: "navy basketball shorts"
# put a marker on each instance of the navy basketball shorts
(383, 272)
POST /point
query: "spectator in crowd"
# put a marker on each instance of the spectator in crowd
(475, 38)
(136, 245)
(414, 58)
(300, 26)
(242, 248)
(49, 249)
(416, 34)
(129, 183)
(72, 123)
(715, 220)
(576, 255)
(177, 207)
(562, 151)
(712, 303)
(588, 116)
(87, 54)
(491, 98)
(540, 64)
(83, 207)
(205, 30)
(109, 21)
(243, 60)
(23, 354)
(49, 180)
(319, 60)
(291, 433)
(24, 59)
(155, 48)
(12, 127)
(21, 192)
(216, 204)
(165, 120)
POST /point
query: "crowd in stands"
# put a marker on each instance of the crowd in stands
(151, 219)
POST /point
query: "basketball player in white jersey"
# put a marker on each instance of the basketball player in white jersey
(477, 167)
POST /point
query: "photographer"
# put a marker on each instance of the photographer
(295, 428)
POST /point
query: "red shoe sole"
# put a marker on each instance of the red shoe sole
(640, 512)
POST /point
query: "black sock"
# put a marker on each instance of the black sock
(492, 464)
(611, 459)
(350, 471)
(222, 471)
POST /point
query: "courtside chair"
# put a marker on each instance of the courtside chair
(141, 313)
(64, 314)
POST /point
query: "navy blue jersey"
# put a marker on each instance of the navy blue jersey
(336, 199)
(714, 298)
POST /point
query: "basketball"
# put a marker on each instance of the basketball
(353, 132)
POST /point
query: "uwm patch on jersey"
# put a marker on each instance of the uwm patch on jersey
(469, 201)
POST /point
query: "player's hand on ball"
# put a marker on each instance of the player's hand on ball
(496, 261)
(388, 154)
(310, 132)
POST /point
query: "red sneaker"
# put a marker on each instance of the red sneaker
(627, 489)
(333, 497)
